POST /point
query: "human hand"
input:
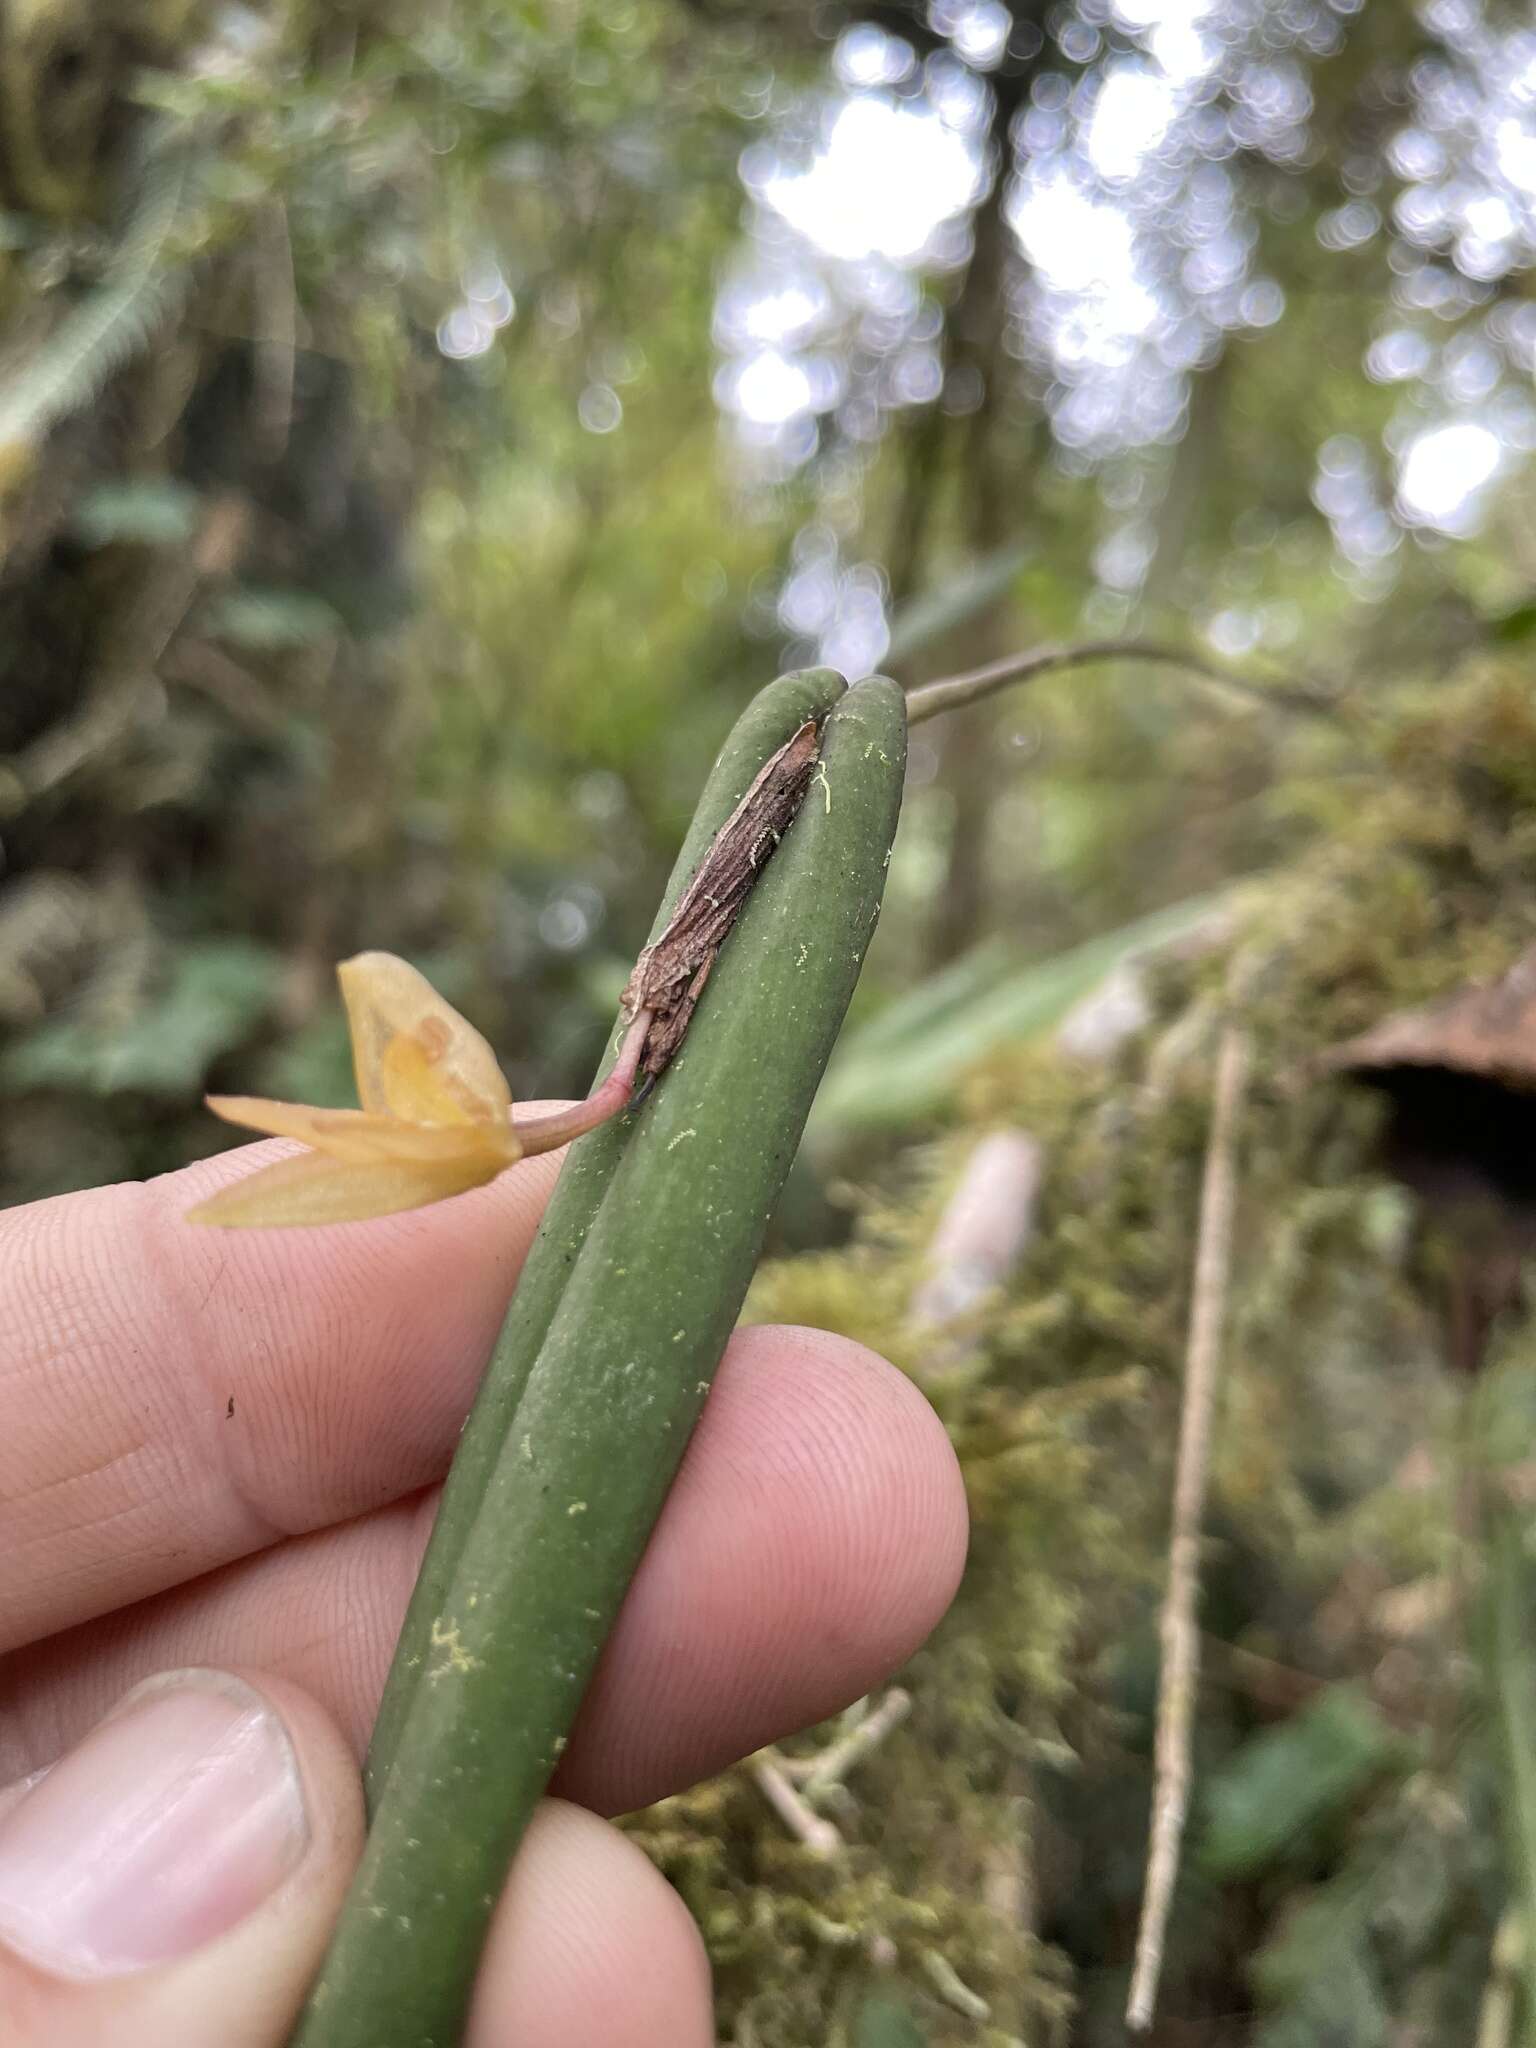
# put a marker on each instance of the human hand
(213, 1450)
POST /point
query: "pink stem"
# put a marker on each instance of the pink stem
(544, 1133)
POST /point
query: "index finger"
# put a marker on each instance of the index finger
(172, 1398)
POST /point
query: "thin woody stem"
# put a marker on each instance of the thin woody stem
(1178, 1627)
(544, 1133)
(952, 692)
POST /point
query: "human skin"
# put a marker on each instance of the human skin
(218, 1457)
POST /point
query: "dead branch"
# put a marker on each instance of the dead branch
(952, 692)
(1178, 1628)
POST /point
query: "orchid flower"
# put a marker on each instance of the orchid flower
(436, 1115)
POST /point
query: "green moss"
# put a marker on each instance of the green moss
(1003, 1826)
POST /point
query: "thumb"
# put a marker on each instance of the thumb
(175, 1877)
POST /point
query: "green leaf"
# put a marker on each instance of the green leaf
(1510, 628)
(885, 2022)
(1323, 1976)
(943, 996)
(906, 1061)
(217, 992)
(1284, 1785)
(109, 327)
(974, 590)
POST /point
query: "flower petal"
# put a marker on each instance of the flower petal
(343, 1133)
(360, 1137)
(313, 1189)
(416, 1057)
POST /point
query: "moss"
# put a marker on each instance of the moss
(1004, 1825)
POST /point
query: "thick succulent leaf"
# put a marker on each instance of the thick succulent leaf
(314, 1189)
(416, 1057)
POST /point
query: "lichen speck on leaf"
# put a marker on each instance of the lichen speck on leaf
(436, 1116)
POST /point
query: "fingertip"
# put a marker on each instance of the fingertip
(589, 1947)
(813, 1538)
(881, 1486)
(913, 1465)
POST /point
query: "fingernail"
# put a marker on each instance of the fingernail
(174, 1818)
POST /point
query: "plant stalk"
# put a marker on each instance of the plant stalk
(767, 722)
(627, 1330)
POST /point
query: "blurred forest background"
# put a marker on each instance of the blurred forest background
(421, 428)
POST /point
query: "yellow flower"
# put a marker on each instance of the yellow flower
(436, 1114)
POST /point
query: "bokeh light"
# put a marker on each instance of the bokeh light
(1135, 201)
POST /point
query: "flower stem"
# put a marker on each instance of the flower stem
(609, 1098)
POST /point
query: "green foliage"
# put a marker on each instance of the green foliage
(884, 2022)
(1514, 627)
(906, 1062)
(214, 993)
(1348, 1830)
(1272, 1797)
(970, 593)
(344, 643)
(1399, 1933)
(142, 289)
(313, 636)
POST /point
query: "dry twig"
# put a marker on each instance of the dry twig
(954, 691)
(1177, 1626)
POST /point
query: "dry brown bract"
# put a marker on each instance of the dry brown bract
(669, 976)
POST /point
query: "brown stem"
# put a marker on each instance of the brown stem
(1178, 1629)
(951, 692)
